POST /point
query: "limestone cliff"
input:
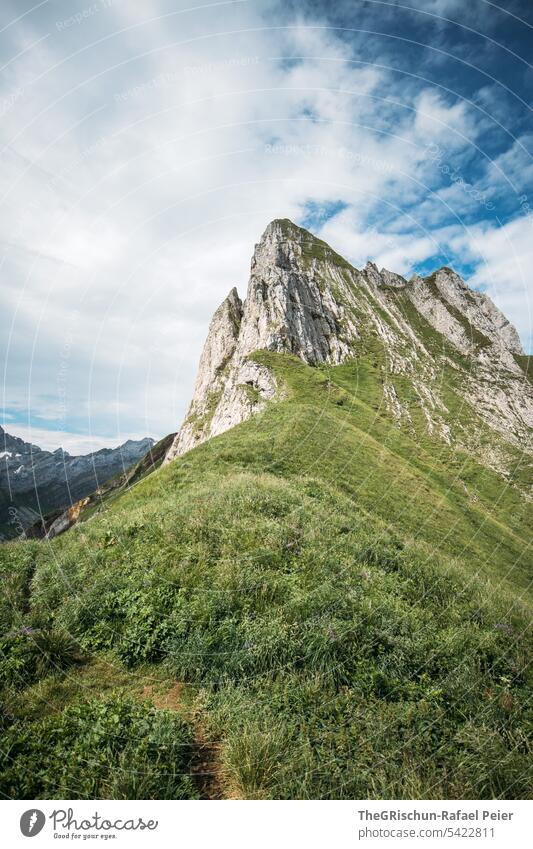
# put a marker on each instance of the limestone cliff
(306, 300)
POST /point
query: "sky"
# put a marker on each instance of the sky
(145, 146)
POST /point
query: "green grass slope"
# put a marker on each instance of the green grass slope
(342, 604)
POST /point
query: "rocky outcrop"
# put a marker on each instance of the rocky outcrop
(68, 518)
(306, 300)
(213, 378)
(467, 318)
(287, 307)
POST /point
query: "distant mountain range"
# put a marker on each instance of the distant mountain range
(34, 482)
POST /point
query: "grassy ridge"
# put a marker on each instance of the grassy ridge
(344, 602)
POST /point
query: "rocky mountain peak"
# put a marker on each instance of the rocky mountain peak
(283, 229)
(287, 308)
(306, 300)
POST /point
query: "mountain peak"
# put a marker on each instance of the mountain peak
(283, 227)
(306, 300)
(462, 314)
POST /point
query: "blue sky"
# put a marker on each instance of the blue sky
(145, 146)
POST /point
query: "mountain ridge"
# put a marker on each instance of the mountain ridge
(34, 482)
(303, 298)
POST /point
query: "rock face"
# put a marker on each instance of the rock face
(460, 314)
(68, 518)
(35, 482)
(306, 300)
(287, 308)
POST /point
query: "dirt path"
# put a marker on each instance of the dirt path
(206, 768)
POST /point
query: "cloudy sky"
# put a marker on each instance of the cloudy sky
(145, 145)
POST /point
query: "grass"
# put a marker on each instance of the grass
(313, 248)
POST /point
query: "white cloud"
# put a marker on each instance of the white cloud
(437, 121)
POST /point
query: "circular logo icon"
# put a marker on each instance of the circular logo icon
(32, 822)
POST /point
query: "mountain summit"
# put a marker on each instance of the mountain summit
(433, 332)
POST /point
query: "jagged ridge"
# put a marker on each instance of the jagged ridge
(34, 482)
(306, 300)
